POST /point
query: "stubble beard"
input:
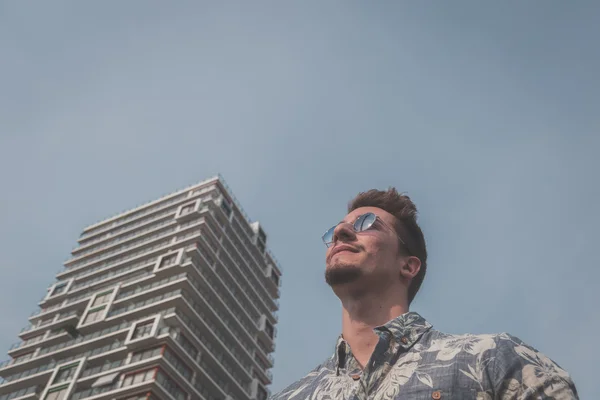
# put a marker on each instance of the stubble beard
(341, 274)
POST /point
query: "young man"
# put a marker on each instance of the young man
(375, 263)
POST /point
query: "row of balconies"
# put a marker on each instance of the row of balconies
(159, 221)
(192, 210)
(129, 343)
(82, 327)
(53, 295)
(143, 254)
(205, 187)
(58, 288)
(230, 244)
(61, 290)
(64, 320)
(158, 206)
(184, 211)
(63, 345)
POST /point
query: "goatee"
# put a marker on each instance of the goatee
(342, 274)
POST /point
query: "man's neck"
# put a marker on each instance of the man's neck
(361, 315)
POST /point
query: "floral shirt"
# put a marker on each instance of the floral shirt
(413, 361)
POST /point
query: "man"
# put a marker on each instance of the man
(375, 263)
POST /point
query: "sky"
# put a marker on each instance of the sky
(485, 113)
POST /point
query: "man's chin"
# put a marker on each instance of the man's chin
(342, 274)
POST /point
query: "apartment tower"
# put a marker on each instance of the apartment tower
(173, 300)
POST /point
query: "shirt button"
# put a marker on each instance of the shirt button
(436, 395)
(404, 340)
(355, 376)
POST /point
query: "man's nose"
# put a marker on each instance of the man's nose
(344, 232)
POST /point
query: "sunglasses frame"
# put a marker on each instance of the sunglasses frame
(353, 224)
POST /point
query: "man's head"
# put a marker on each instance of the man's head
(390, 253)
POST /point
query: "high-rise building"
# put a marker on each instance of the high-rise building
(173, 300)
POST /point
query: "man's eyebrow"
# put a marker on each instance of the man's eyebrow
(379, 222)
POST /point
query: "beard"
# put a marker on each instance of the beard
(342, 273)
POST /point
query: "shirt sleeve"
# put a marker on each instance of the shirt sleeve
(520, 372)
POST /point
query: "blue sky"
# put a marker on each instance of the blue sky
(486, 114)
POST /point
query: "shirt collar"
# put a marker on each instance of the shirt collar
(406, 329)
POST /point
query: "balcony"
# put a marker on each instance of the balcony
(272, 281)
(45, 310)
(35, 375)
(46, 339)
(114, 390)
(265, 357)
(27, 393)
(188, 211)
(267, 332)
(74, 304)
(59, 321)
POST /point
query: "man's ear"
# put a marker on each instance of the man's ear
(410, 268)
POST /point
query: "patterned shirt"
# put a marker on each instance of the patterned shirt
(413, 361)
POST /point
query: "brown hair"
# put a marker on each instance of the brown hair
(405, 211)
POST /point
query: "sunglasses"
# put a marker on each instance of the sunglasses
(362, 223)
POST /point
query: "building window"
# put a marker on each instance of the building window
(142, 330)
(94, 315)
(168, 260)
(65, 374)
(187, 345)
(106, 380)
(55, 332)
(262, 393)
(102, 298)
(57, 394)
(22, 358)
(269, 329)
(178, 364)
(170, 386)
(211, 243)
(45, 321)
(275, 278)
(226, 207)
(32, 340)
(139, 377)
(188, 208)
(59, 288)
(261, 246)
(261, 235)
(187, 211)
(262, 364)
(145, 354)
(141, 396)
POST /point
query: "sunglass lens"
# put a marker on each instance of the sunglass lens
(328, 236)
(364, 222)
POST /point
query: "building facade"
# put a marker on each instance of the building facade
(173, 300)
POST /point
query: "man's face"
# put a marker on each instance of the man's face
(368, 256)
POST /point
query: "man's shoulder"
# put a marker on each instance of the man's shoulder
(514, 368)
(502, 344)
(306, 383)
(435, 340)
(501, 348)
